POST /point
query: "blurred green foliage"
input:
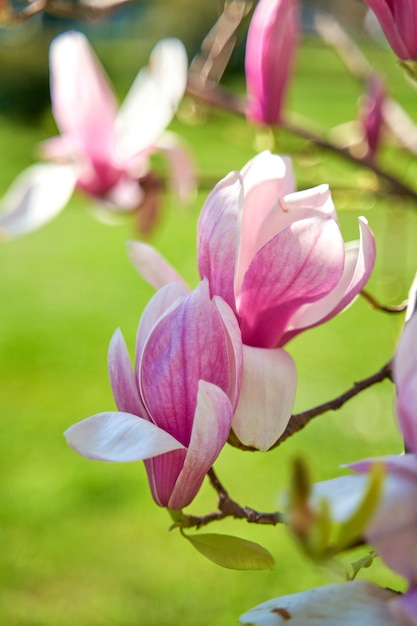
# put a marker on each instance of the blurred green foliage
(82, 542)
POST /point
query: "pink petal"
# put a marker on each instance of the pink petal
(182, 171)
(405, 360)
(404, 608)
(122, 378)
(160, 305)
(217, 237)
(210, 431)
(125, 195)
(359, 262)
(266, 179)
(82, 101)
(119, 437)
(186, 345)
(301, 264)
(36, 196)
(152, 266)
(266, 398)
(392, 23)
(152, 100)
(269, 58)
(233, 339)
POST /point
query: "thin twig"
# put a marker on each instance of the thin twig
(398, 308)
(225, 100)
(229, 508)
(300, 420)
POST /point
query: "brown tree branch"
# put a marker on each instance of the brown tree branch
(300, 420)
(229, 508)
(223, 99)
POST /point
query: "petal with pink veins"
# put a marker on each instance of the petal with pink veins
(160, 305)
(119, 437)
(359, 262)
(185, 346)
(211, 427)
(122, 378)
(267, 396)
(301, 264)
(217, 236)
(35, 197)
(233, 338)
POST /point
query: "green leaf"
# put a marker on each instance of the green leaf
(353, 528)
(232, 552)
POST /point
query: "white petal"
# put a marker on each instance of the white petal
(152, 266)
(35, 198)
(267, 395)
(152, 100)
(344, 494)
(341, 604)
(119, 437)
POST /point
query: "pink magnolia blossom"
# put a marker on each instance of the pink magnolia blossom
(175, 408)
(101, 150)
(278, 259)
(270, 49)
(398, 20)
(276, 255)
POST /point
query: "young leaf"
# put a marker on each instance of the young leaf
(232, 552)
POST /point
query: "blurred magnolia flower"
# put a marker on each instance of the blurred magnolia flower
(175, 408)
(277, 257)
(372, 116)
(270, 49)
(101, 150)
(392, 531)
(398, 20)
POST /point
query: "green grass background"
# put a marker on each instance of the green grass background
(81, 542)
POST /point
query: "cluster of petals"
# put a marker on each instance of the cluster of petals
(277, 257)
(398, 20)
(270, 49)
(393, 529)
(102, 150)
(175, 408)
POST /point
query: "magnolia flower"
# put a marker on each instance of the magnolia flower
(278, 259)
(276, 255)
(101, 151)
(398, 20)
(175, 408)
(270, 49)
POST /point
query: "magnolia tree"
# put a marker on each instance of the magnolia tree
(211, 366)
